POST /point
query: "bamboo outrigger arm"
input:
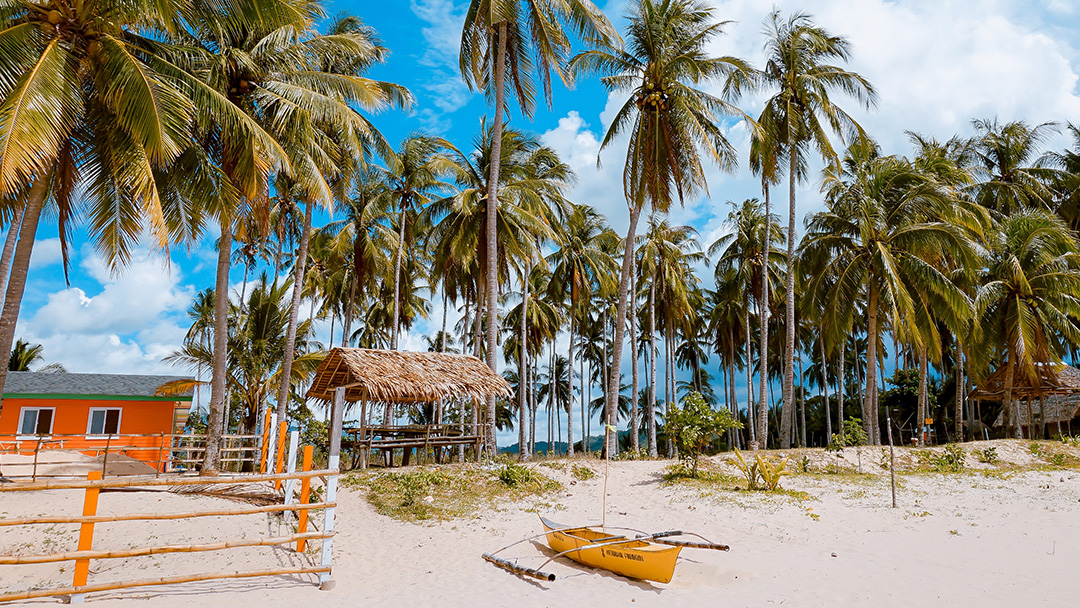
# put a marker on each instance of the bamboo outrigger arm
(516, 569)
(705, 544)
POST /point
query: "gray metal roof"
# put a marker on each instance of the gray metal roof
(58, 383)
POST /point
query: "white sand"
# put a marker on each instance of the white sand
(955, 539)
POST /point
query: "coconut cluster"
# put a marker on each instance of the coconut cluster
(655, 96)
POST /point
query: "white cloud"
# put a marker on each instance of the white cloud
(125, 324)
(46, 253)
(443, 84)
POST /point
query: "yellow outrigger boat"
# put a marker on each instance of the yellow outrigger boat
(642, 556)
(629, 557)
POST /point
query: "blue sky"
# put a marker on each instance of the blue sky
(936, 63)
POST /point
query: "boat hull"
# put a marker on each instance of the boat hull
(636, 559)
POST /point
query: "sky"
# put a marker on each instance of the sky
(936, 64)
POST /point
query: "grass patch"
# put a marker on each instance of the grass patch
(583, 473)
(446, 493)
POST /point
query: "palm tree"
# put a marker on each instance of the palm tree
(413, 174)
(667, 253)
(578, 264)
(25, 354)
(671, 122)
(796, 118)
(743, 252)
(885, 228)
(1012, 175)
(532, 181)
(82, 105)
(1029, 300)
(498, 42)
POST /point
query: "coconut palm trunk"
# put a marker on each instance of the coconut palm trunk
(9, 249)
(397, 279)
(923, 399)
(570, 386)
(789, 314)
(523, 373)
(750, 382)
(20, 265)
(840, 387)
(650, 407)
(294, 314)
(492, 233)
(763, 331)
(612, 395)
(868, 410)
(634, 425)
(212, 455)
(1011, 405)
(825, 386)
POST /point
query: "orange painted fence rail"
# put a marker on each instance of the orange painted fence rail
(93, 484)
(164, 453)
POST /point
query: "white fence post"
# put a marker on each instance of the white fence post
(331, 486)
(294, 442)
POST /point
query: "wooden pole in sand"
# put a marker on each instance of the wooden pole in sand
(86, 537)
(269, 443)
(892, 456)
(331, 487)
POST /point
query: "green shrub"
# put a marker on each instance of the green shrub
(851, 435)
(695, 425)
(987, 455)
(950, 460)
(582, 473)
(515, 475)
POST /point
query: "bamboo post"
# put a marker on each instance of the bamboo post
(161, 448)
(331, 487)
(86, 537)
(305, 495)
(294, 442)
(283, 428)
(365, 448)
(269, 443)
(267, 422)
(105, 458)
(37, 448)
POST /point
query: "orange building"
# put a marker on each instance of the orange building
(88, 412)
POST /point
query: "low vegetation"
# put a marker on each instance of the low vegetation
(444, 493)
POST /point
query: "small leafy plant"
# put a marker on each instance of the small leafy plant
(762, 473)
(515, 475)
(950, 460)
(695, 425)
(987, 455)
(582, 473)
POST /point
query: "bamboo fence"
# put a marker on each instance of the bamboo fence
(93, 485)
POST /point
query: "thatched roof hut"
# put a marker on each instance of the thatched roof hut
(390, 376)
(1054, 380)
(1058, 408)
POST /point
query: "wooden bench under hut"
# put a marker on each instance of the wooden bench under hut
(389, 378)
(1048, 404)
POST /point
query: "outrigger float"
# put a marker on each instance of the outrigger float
(635, 554)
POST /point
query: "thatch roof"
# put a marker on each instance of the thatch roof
(1059, 408)
(1054, 380)
(405, 377)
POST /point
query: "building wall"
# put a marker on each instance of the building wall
(71, 422)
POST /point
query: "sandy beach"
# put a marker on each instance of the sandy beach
(983, 537)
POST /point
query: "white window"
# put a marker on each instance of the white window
(103, 421)
(35, 421)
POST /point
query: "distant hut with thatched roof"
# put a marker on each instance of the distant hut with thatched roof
(1052, 400)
